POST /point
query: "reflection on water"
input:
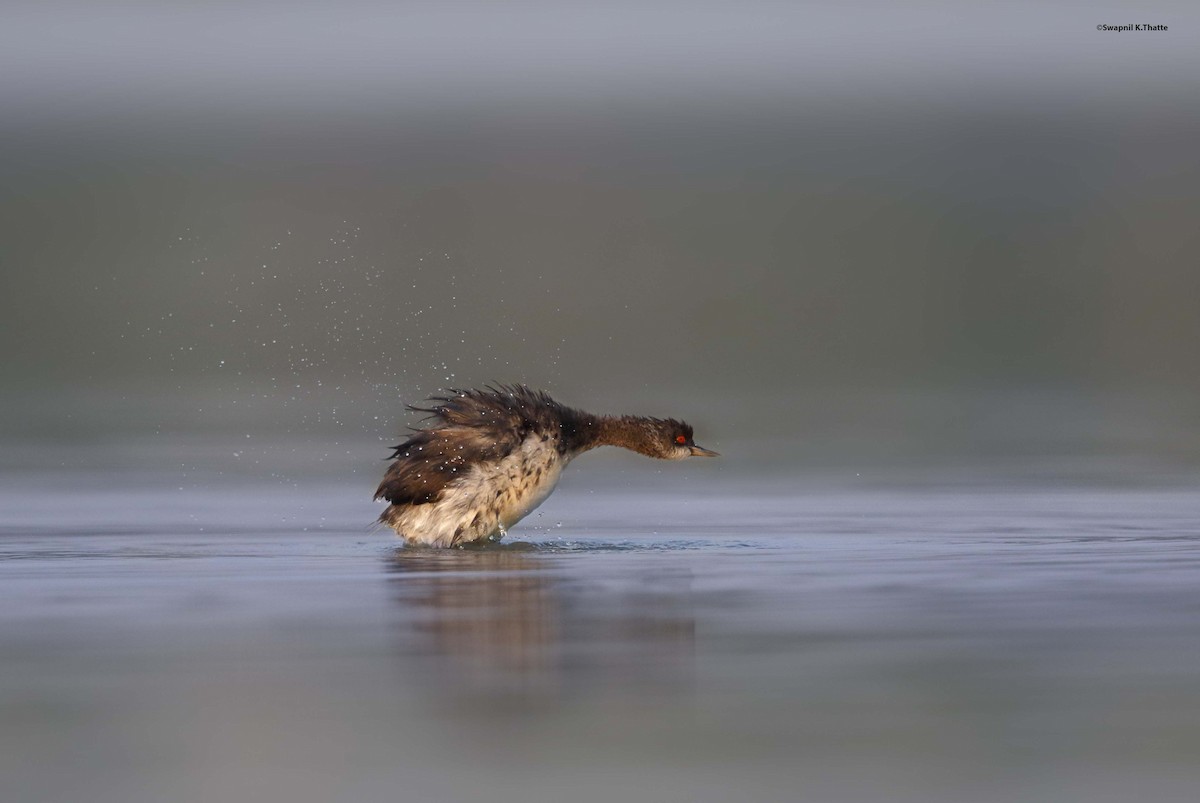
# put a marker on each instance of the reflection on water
(491, 614)
(506, 618)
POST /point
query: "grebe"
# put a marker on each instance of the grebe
(488, 457)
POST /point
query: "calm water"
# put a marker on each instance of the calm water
(647, 638)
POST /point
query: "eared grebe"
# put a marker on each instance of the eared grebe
(489, 457)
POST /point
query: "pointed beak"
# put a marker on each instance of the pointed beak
(700, 451)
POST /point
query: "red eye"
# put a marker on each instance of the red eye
(681, 439)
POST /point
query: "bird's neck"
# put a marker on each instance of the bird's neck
(626, 431)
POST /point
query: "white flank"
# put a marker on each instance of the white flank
(488, 499)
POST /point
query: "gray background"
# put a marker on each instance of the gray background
(828, 230)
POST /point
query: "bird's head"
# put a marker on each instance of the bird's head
(669, 439)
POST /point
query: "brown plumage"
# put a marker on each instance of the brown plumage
(486, 458)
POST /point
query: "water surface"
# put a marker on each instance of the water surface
(705, 640)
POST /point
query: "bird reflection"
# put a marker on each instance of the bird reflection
(489, 611)
(512, 618)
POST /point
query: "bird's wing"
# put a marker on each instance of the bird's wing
(470, 430)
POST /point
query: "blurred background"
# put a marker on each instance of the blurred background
(894, 232)
(924, 273)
